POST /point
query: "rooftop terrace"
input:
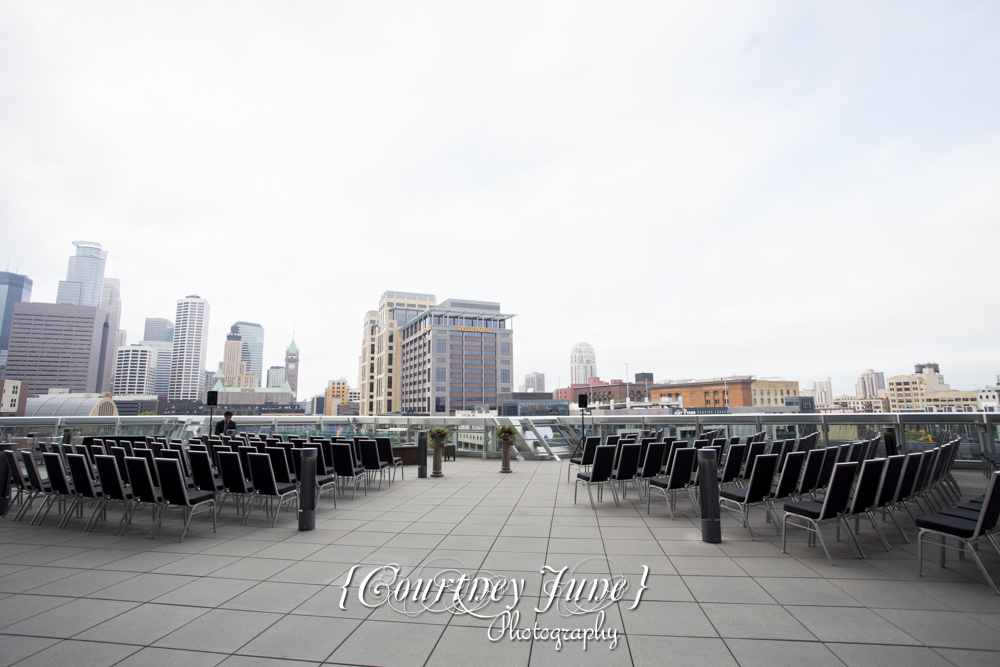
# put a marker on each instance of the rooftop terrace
(252, 594)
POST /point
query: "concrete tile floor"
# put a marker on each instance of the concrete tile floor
(256, 595)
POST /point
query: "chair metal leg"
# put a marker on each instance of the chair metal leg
(899, 526)
(592, 505)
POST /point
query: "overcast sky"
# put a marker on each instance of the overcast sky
(794, 190)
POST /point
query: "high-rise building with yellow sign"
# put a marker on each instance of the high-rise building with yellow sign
(456, 356)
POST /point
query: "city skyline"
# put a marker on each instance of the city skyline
(783, 139)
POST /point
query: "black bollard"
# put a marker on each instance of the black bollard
(307, 489)
(422, 454)
(708, 483)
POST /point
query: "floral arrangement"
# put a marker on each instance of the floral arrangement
(505, 432)
(437, 435)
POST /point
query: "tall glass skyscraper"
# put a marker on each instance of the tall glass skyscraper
(84, 284)
(253, 347)
(14, 288)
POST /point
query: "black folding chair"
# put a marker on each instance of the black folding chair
(809, 514)
(176, 494)
(113, 487)
(236, 483)
(968, 532)
(267, 488)
(344, 466)
(83, 483)
(385, 453)
(599, 474)
(628, 468)
(679, 478)
(143, 490)
(62, 489)
(756, 492)
(371, 461)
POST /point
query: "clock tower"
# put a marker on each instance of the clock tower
(292, 367)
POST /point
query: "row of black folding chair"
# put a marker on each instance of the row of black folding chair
(969, 524)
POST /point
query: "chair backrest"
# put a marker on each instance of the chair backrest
(911, 467)
(155, 447)
(172, 481)
(628, 462)
(890, 480)
(838, 493)
(653, 461)
(57, 474)
(96, 449)
(612, 440)
(231, 469)
(80, 471)
(759, 486)
(201, 470)
(112, 485)
(324, 451)
(142, 482)
(926, 464)
(34, 477)
(786, 449)
(734, 440)
(148, 455)
(178, 456)
(734, 461)
(384, 450)
(683, 466)
(244, 452)
(15, 471)
(866, 491)
(776, 446)
(829, 463)
(789, 477)
(843, 453)
(990, 514)
(857, 449)
(279, 465)
(263, 474)
(604, 460)
(941, 463)
(343, 460)
(369, 455)
(672, 447)
(589, 449)
(755, 449)
(643, 446)
(700, 442)
(810, 475)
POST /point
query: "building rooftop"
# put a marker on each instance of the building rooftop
(252, 594)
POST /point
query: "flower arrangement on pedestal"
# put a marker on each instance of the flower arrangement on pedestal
(437, 436)
(505, 434)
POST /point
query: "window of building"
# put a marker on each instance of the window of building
(440, 345)
(505, 375)
(505, 349)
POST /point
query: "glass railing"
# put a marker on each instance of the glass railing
(545, 437)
